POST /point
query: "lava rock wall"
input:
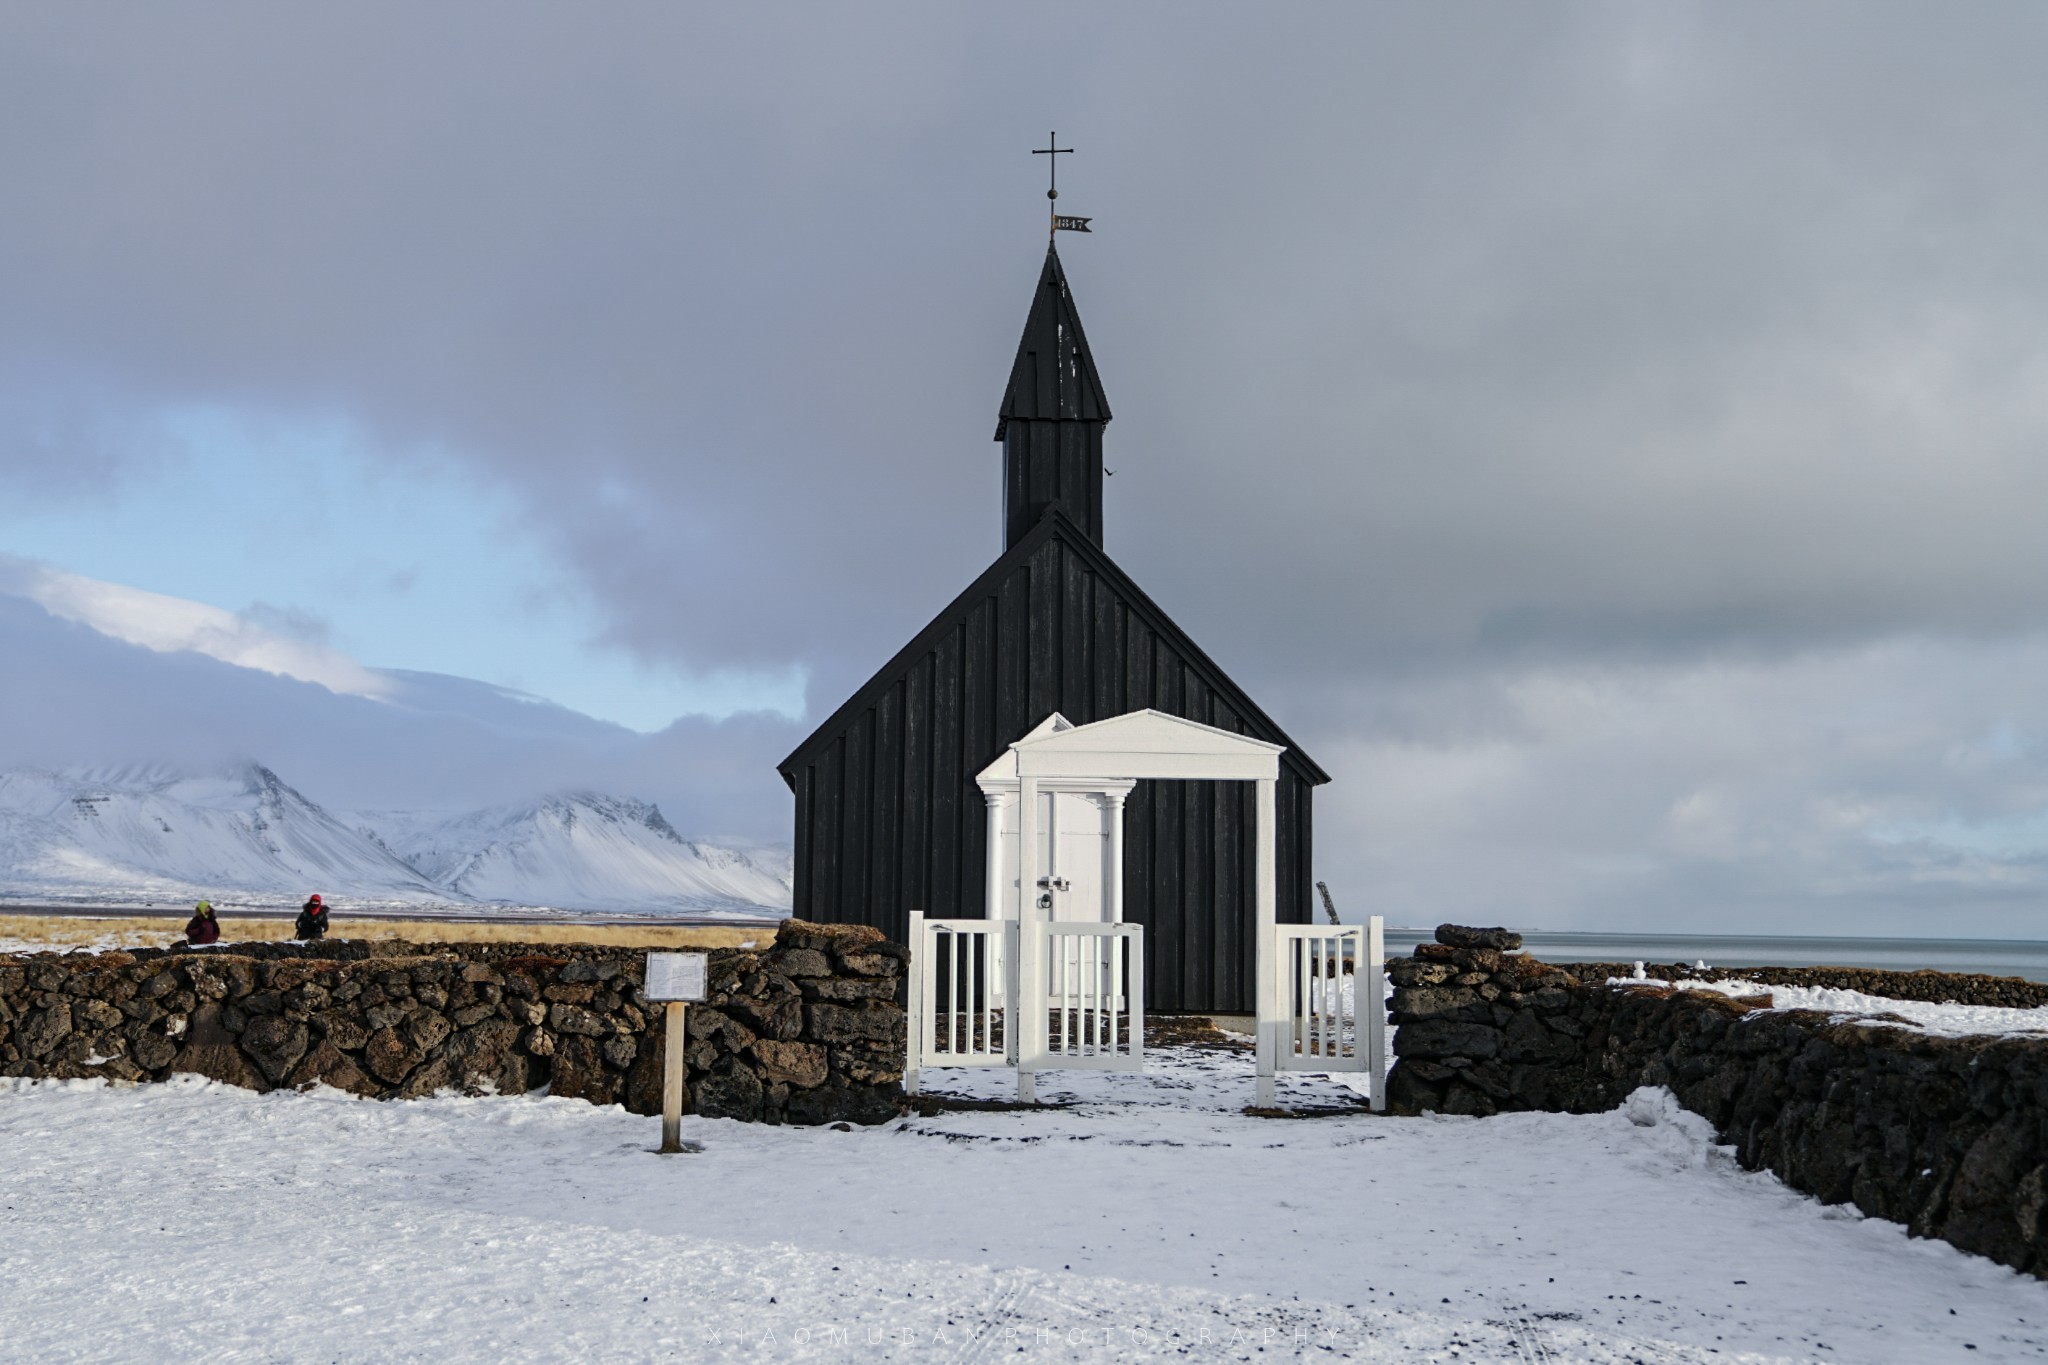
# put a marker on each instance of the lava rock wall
(809, 1030)
(1948, 1136)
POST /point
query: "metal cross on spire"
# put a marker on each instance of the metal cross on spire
(1053, 152)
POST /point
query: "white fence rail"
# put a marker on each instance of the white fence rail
(1329, 990)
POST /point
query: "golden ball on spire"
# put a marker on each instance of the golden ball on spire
(1052, 194)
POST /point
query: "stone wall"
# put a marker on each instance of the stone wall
(809, 1030)
(1946, 1135)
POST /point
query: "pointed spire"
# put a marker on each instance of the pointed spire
(1054, 376)
(1053, 417)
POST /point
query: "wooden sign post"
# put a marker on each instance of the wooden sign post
(676, 979)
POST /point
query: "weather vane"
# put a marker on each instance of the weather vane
(1053, 151)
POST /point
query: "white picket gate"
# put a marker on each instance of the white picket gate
(1044, 997)
(1329, 992)
(1094, 1009)
(959, 993)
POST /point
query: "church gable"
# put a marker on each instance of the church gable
(1053, 625)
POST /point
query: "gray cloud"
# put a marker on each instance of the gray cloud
(1454, 349)
(70, 695)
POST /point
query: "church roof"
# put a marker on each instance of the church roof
(1054, 375)
(1077, 555)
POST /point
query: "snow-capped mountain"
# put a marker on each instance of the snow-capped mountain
(150, 834)
(588, 850)
(155, 833)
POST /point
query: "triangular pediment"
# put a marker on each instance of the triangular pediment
(1139, 744)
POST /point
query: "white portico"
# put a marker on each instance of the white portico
(1080, 825)
(1051, 977)
(1057, 797)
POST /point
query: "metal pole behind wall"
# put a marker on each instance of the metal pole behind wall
(1268, 964)
(1370, 1004)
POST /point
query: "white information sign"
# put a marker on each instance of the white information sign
(675, 976)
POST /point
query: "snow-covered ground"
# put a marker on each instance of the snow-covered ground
(1153, 1220)
(1950, 1020)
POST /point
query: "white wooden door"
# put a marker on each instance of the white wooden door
(1073, 855)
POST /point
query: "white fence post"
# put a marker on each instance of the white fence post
(1269, 979)
(1134, 949)
(916, 1005)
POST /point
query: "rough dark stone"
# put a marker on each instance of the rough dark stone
(580, 1072)
(340, 1029)
(800, 1064)
(389, 1057)
(326, 1064)
(803, 962)
(479, 1055)
(780, 1017)
(644, 1081)
(830, 1023)
(210, 1051)
(44, 1028)
(152, 1051)
(1464, 936)
(841, 988)
(731, 1091)
(1435, 1039)
(275, 1043)
(827, 938)
(427, 1030)
(576, 1019)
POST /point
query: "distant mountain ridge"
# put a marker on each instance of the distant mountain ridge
(151, 833)
(585, 848)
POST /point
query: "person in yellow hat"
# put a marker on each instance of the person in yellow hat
(202, 928)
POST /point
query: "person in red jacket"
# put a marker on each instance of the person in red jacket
(312, 923)
(202, 928)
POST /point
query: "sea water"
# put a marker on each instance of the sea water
(1993, 957)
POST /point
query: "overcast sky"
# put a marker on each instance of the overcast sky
(1609, 437)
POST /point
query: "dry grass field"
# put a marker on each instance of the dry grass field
(62, 933)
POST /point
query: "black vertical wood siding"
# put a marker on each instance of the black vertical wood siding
(890, 820)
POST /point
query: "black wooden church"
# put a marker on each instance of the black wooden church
(889, 818)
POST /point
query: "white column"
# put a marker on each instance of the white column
(1267, 874)
(993, 902)
(1030, 971)
(1113, 804)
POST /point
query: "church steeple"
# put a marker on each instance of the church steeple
(1052, 416)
